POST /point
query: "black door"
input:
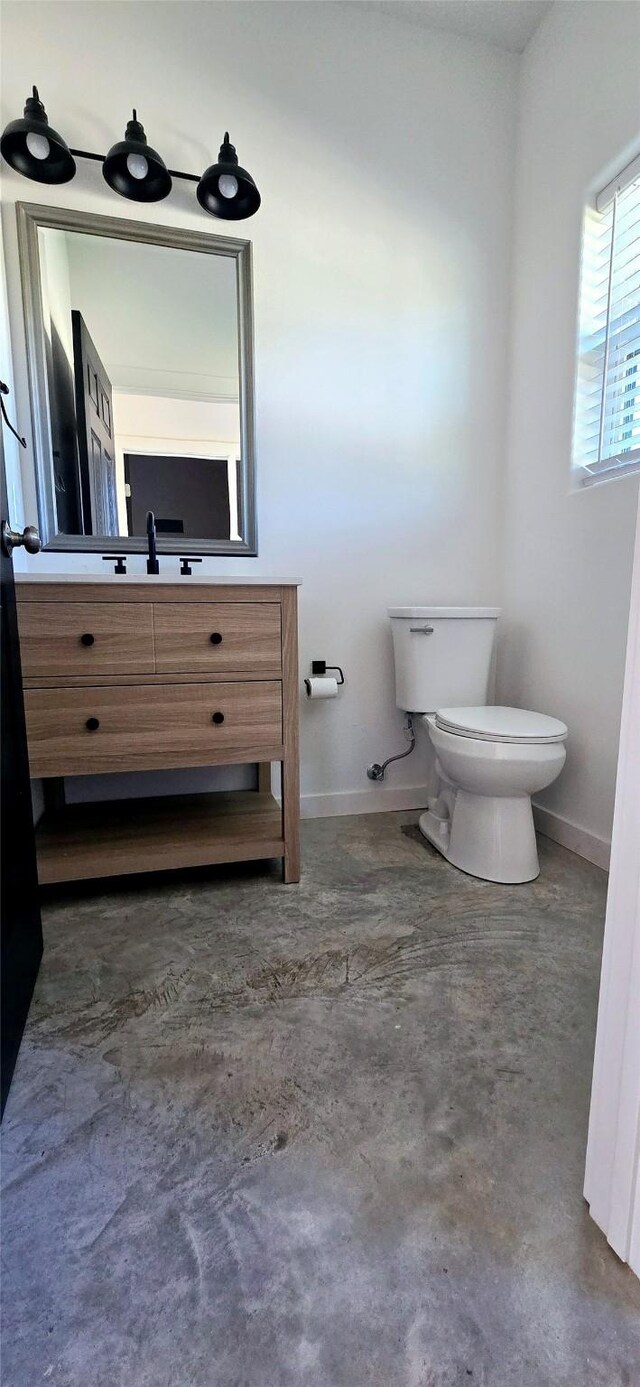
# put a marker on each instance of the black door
(188, 495)
(21, 937)
(96, 450)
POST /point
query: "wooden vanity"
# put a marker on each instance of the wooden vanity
(152, 675)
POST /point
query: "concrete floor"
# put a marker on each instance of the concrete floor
(319, 1136)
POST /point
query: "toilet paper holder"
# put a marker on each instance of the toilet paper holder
(319, 667)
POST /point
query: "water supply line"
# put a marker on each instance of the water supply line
(377, 771)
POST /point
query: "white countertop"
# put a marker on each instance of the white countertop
(196, 580)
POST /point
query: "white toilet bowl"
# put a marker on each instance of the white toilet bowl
(490, 761)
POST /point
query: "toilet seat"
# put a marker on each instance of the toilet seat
(516, 726)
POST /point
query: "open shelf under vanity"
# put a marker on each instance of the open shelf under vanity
(119, 837)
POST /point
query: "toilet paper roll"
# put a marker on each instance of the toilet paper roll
(323, 687)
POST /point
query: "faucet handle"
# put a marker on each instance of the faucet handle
(185, 565)
(118, 559)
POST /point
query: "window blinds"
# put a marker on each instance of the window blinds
(606, 436)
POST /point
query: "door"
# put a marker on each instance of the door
(64, 434)
(612, 1176)
(21, 932)
(96, 448)
(188, 495)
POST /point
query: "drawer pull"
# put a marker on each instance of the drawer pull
(216, 638)
(87, 639)
(92, 724)
(218, 718)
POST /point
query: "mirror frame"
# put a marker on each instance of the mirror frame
(31, 217)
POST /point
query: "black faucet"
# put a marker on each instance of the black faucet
(152, 562)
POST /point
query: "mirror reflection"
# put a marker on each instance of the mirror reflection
(141, 345)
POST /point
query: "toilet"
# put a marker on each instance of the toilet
(489, 760)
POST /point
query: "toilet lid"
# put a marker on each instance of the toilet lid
(501, 724)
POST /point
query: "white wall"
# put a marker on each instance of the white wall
(568, 554)
(11, 446)
(381, 261)
(56, 293)
(163, 320)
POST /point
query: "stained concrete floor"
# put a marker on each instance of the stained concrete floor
(324, 1136)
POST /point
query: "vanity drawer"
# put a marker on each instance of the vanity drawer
(71, 638)
(211, 637)
(99, 729)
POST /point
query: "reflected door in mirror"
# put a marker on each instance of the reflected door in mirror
(94, 411)
(188, 496)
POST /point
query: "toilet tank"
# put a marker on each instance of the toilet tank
(442, 656)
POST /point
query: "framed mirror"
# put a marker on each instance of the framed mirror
(140, 359)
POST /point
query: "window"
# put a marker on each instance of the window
(606, 433)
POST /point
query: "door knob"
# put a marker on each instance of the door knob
(12, 539)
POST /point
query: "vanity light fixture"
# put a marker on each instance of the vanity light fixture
(32, 148)
(135, 170)
(226, 190)
(132, 168)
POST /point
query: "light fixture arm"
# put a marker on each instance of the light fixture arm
(100, 158)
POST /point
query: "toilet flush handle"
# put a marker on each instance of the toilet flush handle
(421, 630)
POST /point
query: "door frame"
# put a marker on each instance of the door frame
(20, 926)
(612, 1175)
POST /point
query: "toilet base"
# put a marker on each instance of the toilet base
(487, 836)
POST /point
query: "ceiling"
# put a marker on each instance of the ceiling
(181, 342)
(508, 24)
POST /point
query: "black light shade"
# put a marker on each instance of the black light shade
(135, 170)
(35, 150)
(225, 190)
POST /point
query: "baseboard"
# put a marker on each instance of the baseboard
(569, 835)
(381, 799)
(371, 801)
